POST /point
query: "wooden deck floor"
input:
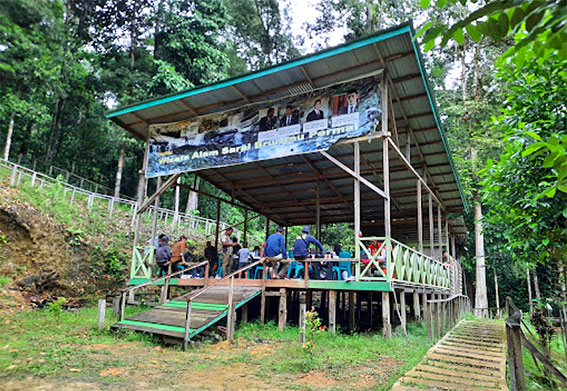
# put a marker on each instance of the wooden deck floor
(169, 319)
(471, 357)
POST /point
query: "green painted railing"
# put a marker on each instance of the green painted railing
(402, 264)
(143, 263)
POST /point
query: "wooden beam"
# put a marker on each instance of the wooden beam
(419, 218)
(171, 181)
(353, 174)
(240, 93)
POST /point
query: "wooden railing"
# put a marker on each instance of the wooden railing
(231, 315)
(402, 264)
(164, 291)
(442, 314)
(516, 338)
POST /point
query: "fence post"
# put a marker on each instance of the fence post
(72, 196)
(101, 314)
(13, 177)
(282, 318)
(517, 380)
(116, 305)
(122, 306)
(33, 178)
(302, 307)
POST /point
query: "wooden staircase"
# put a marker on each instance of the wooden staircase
(168, 319)
(471, 357)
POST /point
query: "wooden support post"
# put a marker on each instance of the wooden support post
(115, 305)
(386, 326)
(263, 298)
(371, 307)
(122, 306)
(282, 318)
(431, 229)
(416, 309)
(386, 174)
(435, 312)
(356, 196)
(176, 202)
(513, 331)
(302, 306)
(267, 228)
(419, 218)
(427, 316)
(403, 310)
(351, 311)
(333, 311)
(309, 300)
(101, 314)
(187, 325)
(217, 226)
(132, 296)
(317, 212)
(156, 207)
(440, 231)
(245, 225)
(498, 312)
(230, 318)
(245, 313)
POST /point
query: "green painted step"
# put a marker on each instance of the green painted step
(154, 325)
(196, 305)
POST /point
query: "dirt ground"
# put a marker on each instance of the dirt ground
(218, 367)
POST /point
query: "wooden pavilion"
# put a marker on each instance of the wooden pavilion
(397, 184)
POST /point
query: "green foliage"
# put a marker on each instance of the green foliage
(56, 307)
(313, 328)
(541, 24)
(526, 188)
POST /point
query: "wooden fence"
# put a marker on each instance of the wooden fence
(516, 338)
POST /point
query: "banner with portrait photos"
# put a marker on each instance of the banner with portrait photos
(304, 123)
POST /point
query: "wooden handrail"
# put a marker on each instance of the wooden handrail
(447, 299)
(225, 278)
(164, 277)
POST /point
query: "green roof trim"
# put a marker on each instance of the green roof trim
(398, 30)
(196, 305)
(433, 102)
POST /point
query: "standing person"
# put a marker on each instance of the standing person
(227, 251)
(289, 118)
(235, 251)
(269, 121)
(243, 258)
(211, 254)
(275, 251)
(301, 249)
(178, 253)
(163, 255)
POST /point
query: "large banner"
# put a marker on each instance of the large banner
(304, 123)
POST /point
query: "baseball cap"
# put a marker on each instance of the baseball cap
(306, 229)
(279, 229)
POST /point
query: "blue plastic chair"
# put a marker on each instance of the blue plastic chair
(292, 266)
(299, 268)
(261, 270)
(343, 266)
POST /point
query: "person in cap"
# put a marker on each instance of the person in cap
(227, 251)
(163, 255)
(275, 251)
(301, 246)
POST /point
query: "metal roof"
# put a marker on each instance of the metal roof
(285, 188)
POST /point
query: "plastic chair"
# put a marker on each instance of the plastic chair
(299, 268)
(292, 266)
(343, 266)
(261, 270)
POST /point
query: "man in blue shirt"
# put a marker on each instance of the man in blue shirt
(301, 246)
(275, 251)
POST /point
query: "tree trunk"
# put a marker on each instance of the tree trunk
(536, 285)
(9, 137)
(481, 298)
(193, 198)
(118, 183)
(54, 137)
(529, 291)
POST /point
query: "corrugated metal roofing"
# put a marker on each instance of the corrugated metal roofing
(285, 188)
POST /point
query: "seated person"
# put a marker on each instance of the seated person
(374, 248)
(212, 255)
(190, 258)
(163, 255)
(178, 253)
(243, 258)
(301, 249)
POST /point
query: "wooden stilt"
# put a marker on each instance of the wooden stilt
(332, 311)
(351, 311)
(230, 319)
(309, 300)
(403, 313)
(245, 313)
(386, 325)
(371, 308)
(263, 298)
(435, 307)
(101, 314)
(427, 316)
(282, 318)
(416, 309)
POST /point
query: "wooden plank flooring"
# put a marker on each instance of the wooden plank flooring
(471, 357)
(169, 319)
